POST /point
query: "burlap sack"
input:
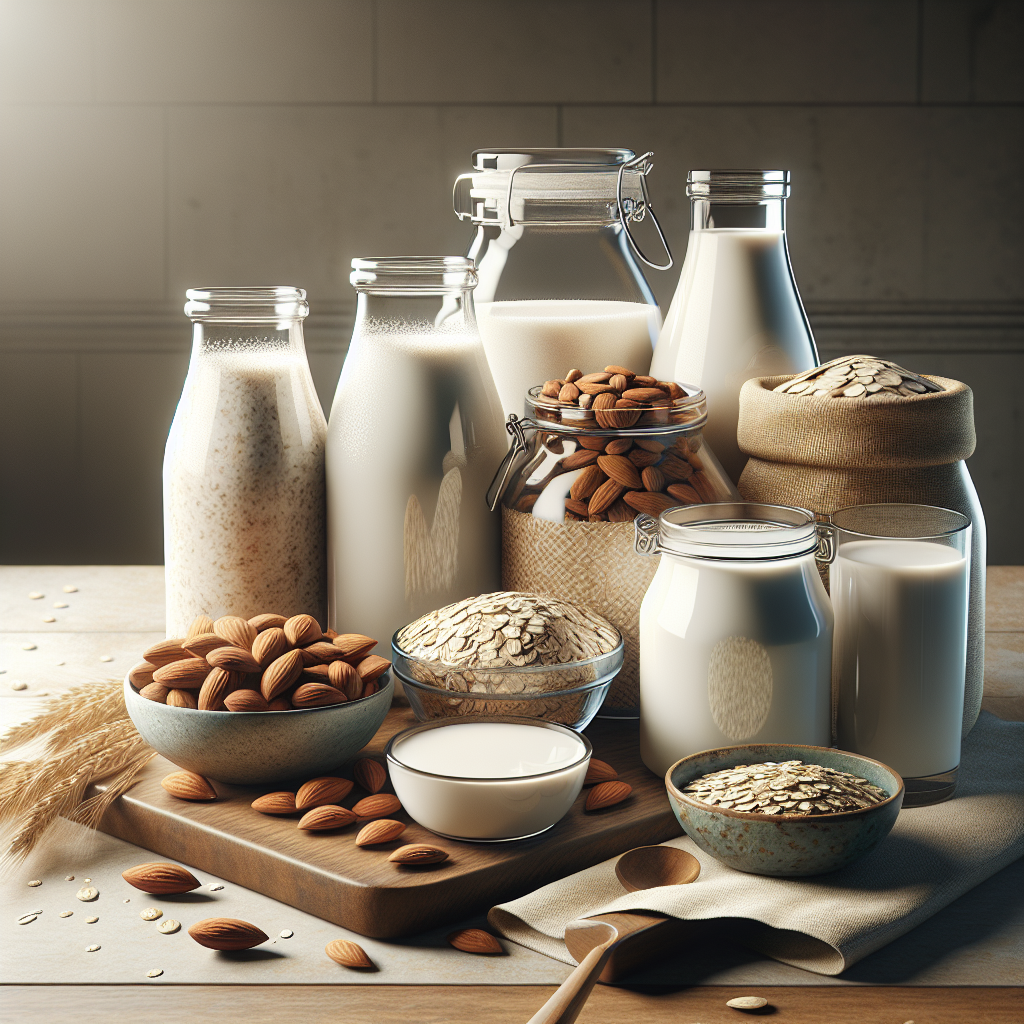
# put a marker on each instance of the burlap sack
(827, 454)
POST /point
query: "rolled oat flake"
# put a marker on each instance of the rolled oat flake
(91, 949)
(168, 926)
(27, 918)
(747, 1002)
(151, 914)
(91, 920)
(213, 887)
(287, 933)
(67, 913)
(35, 882)
(87, 893)
(155, 973)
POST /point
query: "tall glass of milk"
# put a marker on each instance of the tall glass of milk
(736, 313)
(561, 284)
(899, 586)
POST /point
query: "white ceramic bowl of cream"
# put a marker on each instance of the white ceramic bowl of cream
(488, 779)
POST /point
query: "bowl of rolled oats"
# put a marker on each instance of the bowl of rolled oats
(784, 809)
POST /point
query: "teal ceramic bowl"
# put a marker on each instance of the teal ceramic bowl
(785, 845)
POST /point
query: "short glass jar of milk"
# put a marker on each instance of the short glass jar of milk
(899, 586)
(735, 631)
(243, 468)
(560, 272)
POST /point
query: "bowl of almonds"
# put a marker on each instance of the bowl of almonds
(251, 701)
(784, 809)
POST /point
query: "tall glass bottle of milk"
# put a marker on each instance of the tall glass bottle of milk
(414, 438)
(561, 284)
(736, 313)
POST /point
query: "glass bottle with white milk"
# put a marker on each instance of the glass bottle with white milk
(415, 434)
(736, 313)
(560, 279)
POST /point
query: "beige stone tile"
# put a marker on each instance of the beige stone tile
(786, 51)
(44, 51)
(243, 51)
(1004, 665)
(370, 180)
(1004, 598)
(109, 598)
(82, 204)
(513, 51)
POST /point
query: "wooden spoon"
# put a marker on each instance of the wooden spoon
(593, 941)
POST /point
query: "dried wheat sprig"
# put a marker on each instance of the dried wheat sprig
(71, 714)
(91, 811)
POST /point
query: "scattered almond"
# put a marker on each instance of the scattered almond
(475, 940)
(188, 786)
(383, 830)
(236, 630)
(330, 816)
(599, 771)
(418, 853)
(318, 792)
(275, 803)
(160, 879)
(348, 954)
(370, 774)
(380, 805)
(302, 630)
(606, 794)
(227, 933)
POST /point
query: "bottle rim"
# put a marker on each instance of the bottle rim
(256, 304)
(411, 275)
(745, 530)
(688, 413)
(738, 185)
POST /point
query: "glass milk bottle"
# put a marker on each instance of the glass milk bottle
(736, 313)
(735, 631)
(415, 436)
(560, 282)
(244, 464)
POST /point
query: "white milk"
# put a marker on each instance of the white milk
(733, 652)
(900, 652)
(244, 488)
(499, 780)
(736, 314)
(534, 340)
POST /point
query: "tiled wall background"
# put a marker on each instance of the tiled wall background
(150, 145)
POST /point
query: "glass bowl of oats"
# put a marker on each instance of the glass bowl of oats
(506, 655)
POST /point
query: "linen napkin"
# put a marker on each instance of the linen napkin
(824, 923)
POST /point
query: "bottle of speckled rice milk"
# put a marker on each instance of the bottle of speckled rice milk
(735, 631)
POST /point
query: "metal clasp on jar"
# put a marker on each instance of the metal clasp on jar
(517, 428)
(826, 550)
(647, 536)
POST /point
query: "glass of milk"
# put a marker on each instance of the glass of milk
(561, 284)
(899, 585)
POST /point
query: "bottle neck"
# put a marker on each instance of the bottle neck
(254, 339)
(764, 215)
(441, 312)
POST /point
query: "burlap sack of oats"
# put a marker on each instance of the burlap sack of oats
(825, 454)
(592, 564)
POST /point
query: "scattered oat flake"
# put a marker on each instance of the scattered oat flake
(27, 918)
(69, 878)
(60, 604)
(155, 973)
(87, 894)
(49, 618)
(60, 662)
(151, 914)
(67, 913)
(747, 1002)
(91, 920)
(28, 647)
(214, 886)
(35, 595)
(287, 933)
(86, 880)
(168, 926)
(17, 684)
(35, 882)
(106, 657)
(70, 589)
(91, 949)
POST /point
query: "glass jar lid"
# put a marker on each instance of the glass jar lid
(413, 275)
(729, 530)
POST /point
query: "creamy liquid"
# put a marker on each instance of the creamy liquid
(900, 652)
(244, 489)
(531, 341)
(733, 653)
(490, 789)
(735, 315)
(415, 437)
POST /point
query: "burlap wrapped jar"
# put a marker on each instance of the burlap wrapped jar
(826, 453)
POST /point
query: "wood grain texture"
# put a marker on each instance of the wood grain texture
(497, 1004)
(327, 875)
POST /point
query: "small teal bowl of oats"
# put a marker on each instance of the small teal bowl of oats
(784, 810)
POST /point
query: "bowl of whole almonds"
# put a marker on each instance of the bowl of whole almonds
(508, 654)
(784, 810)
(252, 701)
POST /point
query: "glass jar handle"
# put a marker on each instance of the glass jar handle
(647, 538)
(517, 428)
(826, 551)
(630, 211)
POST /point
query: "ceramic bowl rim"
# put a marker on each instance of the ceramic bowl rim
(440, 723)
(791, 819)
(130, 688)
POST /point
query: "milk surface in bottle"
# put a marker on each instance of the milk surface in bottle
(736, 312)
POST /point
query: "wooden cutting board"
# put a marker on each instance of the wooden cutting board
(327, 875)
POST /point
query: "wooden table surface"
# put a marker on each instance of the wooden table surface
(474, 1004)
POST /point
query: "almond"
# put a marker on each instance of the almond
(280, 704)
(354, 646)
(606, 794)
(578, 459)
(642, 380)
(343, 676)
(619, 446)
(227, 933)
(380, 805)
(675, 469)
(649, 444)
(475, 940)
(595, 378)
(654, 479)
(599, 771)
(154, 691)
(645, 395)
(275, 803)
(181, 699)
(269, 645)
(587, 481)
(418, 853)
(593, 444)
(268, 620)
(604, 402)
(644, 501)
(573, 375)
(184, 674)
(200, 645)
(620, 369)
(700, 483)
(370, 774)
(348, 954)
(684, 494)
(596, 389)
(579, 508)
(166, 651)
(321, 653)
(160, 879)
(620, 512)
(641, 458)
(302, 630)
(604, 496)
(568, 393)
(280, 674)
(236, 631)
(317, 695)
(551, 388)
(322, 791)
(372, 667)
(369, 689)
(234, 659)
(217, 685)
(323, 819)
(200, 624)
(141, 675)
(384, 830)
(619, 468)
(618, 381)
(188, 786)
(246, 700)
